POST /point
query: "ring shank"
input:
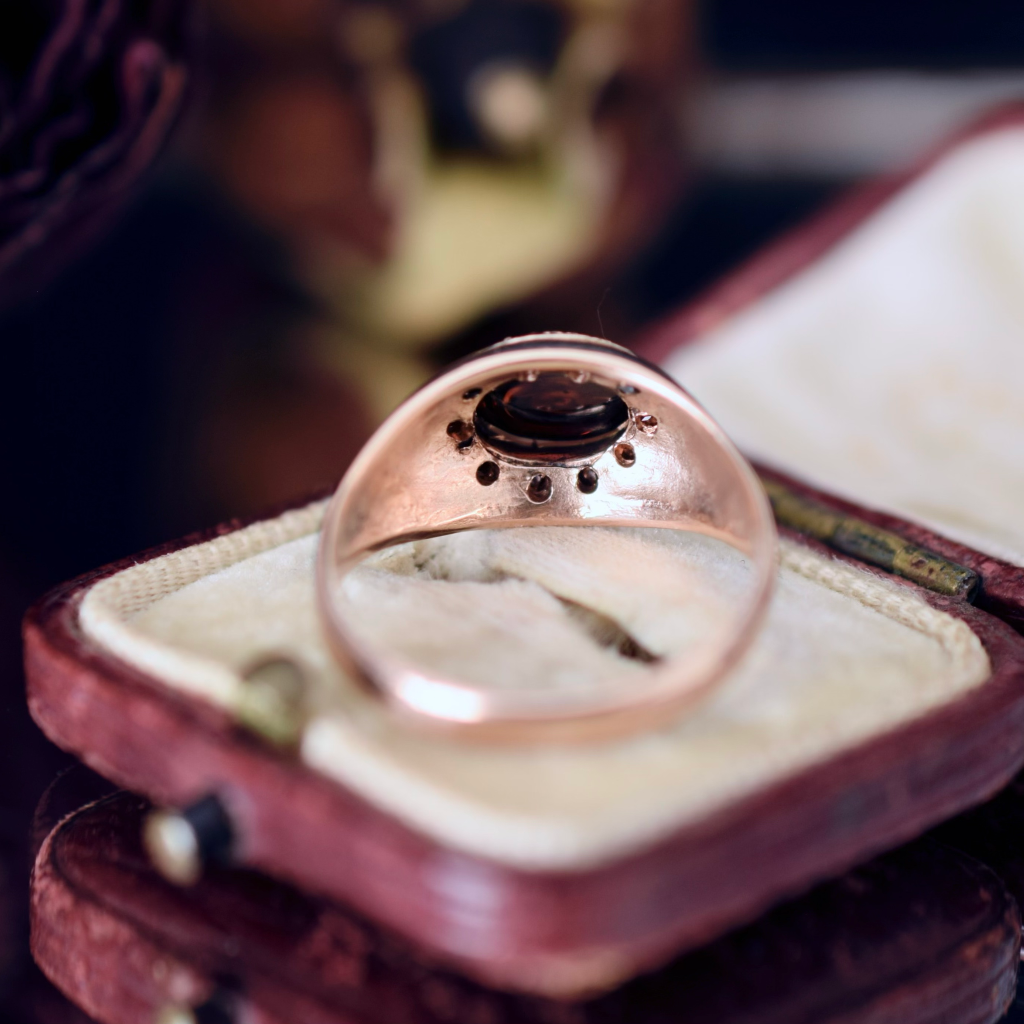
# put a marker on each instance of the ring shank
(413, 480)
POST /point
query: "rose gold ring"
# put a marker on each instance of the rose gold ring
(549, 430)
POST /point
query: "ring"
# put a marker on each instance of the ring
(558, 430)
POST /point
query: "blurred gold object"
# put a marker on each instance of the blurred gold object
(511, 103)
(473, 233)
(322, 125)
(408, 242)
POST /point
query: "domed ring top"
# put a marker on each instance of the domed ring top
(552, 430)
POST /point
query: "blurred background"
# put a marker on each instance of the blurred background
(235, 233)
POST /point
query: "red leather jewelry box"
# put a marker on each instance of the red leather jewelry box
(928, 353)
(873, 945)
(877, 702)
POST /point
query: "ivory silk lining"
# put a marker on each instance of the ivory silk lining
(844, 656)
(890, 370)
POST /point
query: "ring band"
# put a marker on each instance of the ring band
(546, 430)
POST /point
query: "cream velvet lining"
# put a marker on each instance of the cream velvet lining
(892, 370)
(844, 656)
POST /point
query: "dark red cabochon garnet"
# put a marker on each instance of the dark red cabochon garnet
(552, 418)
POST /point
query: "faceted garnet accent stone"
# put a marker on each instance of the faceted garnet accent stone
(625, 453)
(460, 430)
(586, 480)
(551, 418)
(539, 489)
(487, 473)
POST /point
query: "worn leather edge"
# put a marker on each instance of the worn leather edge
(117, 976)
(121, 970)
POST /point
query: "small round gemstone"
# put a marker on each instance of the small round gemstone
(460, 430)
(627, 389)
(625, 453)
(539, 489)
(586, 480)
(646, 422)
(468, 396)
(487, 473)
(552, 418)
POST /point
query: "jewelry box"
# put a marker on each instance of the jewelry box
(872, 945)
(874, 704)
